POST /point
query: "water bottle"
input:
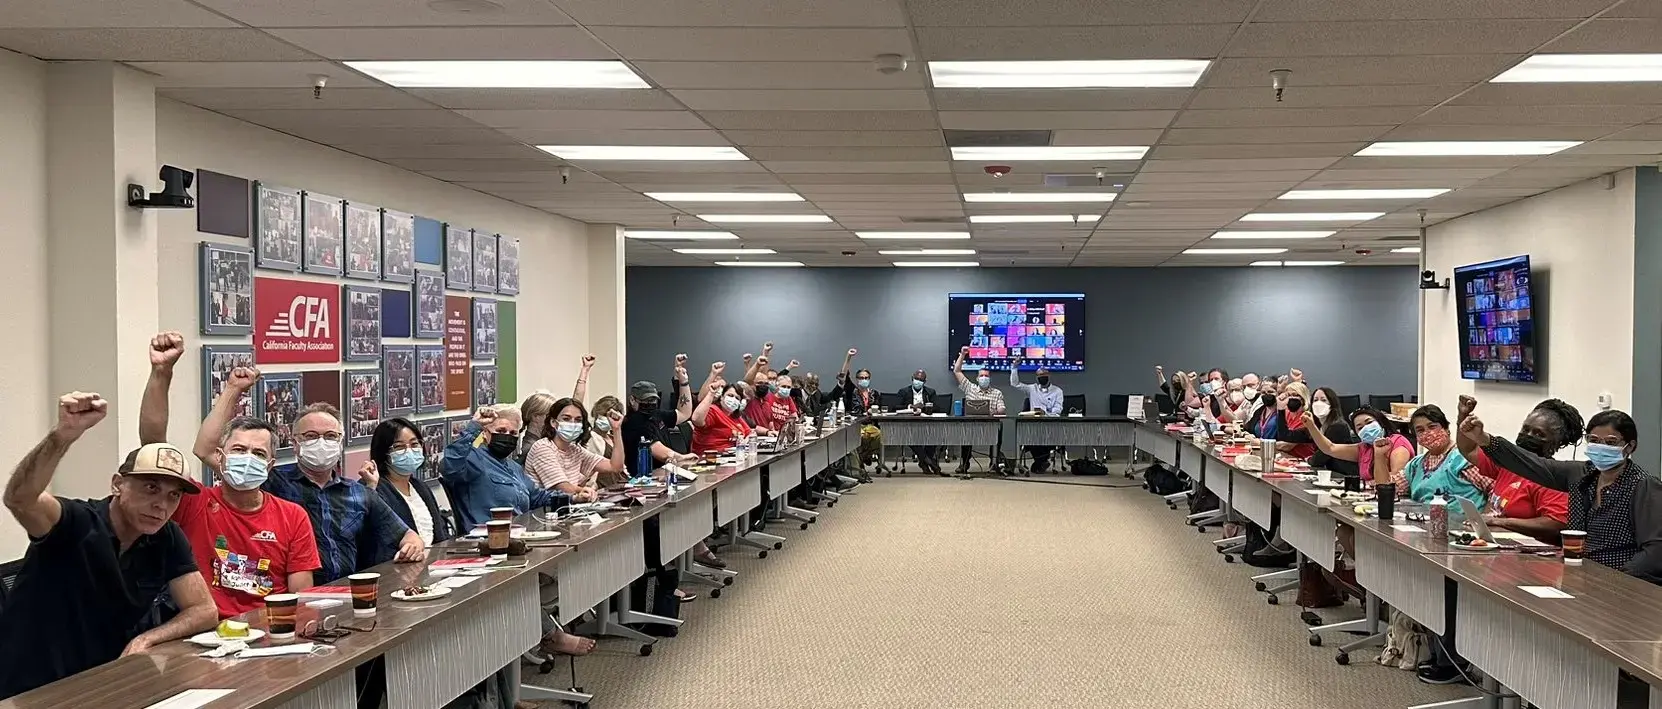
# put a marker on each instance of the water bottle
(957, 407)
(1438, 526)
(643, 457)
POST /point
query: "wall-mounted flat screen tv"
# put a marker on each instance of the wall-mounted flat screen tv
(1496, 302)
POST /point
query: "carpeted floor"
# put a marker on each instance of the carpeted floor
(929, 592)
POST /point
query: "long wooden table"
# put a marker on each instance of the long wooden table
(436, 650)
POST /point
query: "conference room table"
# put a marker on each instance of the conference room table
(1512, 617)
(1071, 430)
(435, 650)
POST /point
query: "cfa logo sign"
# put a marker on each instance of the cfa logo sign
(307, 316)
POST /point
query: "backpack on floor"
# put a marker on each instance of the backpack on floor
(1086, 466)
(1162, 481)
(1203, 500)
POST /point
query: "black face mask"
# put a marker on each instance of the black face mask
(1534, 444)
(1295, 404)
(1044, 381)
(1267, 399)
(502, 445)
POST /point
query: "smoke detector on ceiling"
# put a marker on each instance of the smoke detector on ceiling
(890, 63)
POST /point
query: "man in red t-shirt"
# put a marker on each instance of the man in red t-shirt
(777, 409)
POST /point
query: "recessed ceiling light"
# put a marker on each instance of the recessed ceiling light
(1311, 216)
(1033, 218)
(1604, 68)
(1052, 152)
(1265, 263)
(668, 235)
(1406, 250)
(1033, 197)
(762, 264)
(1232, 252)
(503, 74)
(644, 152)
(937, 264)
(1273, 234)
(1423, 148)
(927, 252)
(913, 235)
(765, 218)
(1091, 74)
(726, 252)
(1364, 194)
(725, 196)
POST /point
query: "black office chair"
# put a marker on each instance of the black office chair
(1073, 403)
(679, 438)
(892, 402)
(1349, 403)
(1119, 404)
(1382, 402)
(943, 404)
(1026, 404)
(9, 572)
(1163, 403)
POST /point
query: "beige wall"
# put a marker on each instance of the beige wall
(1580, 243)
(26, 407)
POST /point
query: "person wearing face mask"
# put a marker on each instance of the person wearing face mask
(1294, 440)
(1044, 398)
(919, 398)
(558, 462)
(1323, 415)
(480, 469)
(599, 437)
(1440, 469)
(395, 457)
(1616, 502)
(774, 407)
(534, 411)
(1269, 421)
(981, 389)
(1380, 452)
(648, 424)
(717, 420)
(1517, 503)
(859, 400)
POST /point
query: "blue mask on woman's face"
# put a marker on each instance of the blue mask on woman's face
(1371, 432)
(863, 383)
(1605, 456)
(407, 461)
(917, 383)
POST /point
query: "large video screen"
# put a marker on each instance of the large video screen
(1497, 321)
(1043, 329)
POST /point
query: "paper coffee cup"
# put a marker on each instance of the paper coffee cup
(1575, 545)
(504, 513)
(281, 612)
(365, 592)
(498, 532)
(1324, 477)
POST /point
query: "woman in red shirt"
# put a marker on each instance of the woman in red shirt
(1516, 503)
(716, 420)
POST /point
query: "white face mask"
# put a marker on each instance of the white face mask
(320, 455)
(1250, 392)
(1236, 398)
(569, 430)
(731, 403)
(1320, 409)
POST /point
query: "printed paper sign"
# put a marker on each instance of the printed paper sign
(296, 322)
(1544, 592)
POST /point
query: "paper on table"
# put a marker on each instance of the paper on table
(1520, 538)
(1545, 592)
(938, 415)
(1134, 407)
(681, 472)
(1076, 416)
(457, 581)
(295, 649)
(1407, 528)
(191, 699)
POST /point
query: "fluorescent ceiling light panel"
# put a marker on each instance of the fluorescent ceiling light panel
(1088, 74)
(1034, 218)
(1297, 263)
(644, 152)
(725, 252)
(766, 218)
(927, 252)
(1036, 197)
(1232, 252)
(1565, 68)
(1051, 152)
(725, 196)
(1364, 194)
(1424, 148)
(1406, 250)
(913, 235)
(503, 74)
(667, 235)
(1273, 234)
(1265, 263)
(1311, 216)
(762, 264)
(937, 264)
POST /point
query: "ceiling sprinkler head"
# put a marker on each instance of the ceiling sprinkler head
(1278, 81)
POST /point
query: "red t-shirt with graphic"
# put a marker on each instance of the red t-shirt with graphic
(1514, 496)
(246, 556)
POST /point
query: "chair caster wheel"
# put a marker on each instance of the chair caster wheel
(1273, 600)
(1260, 587)
(1200, 528)
(727, 580)
(804, 526)
(715, 593)
(545, 667)
(779, 545)
(578, 705)
(763, 554)
(646, 651)
(1228, 558)
(1343, 658)
(1310, 618)
(814, 521)
(1315, 640)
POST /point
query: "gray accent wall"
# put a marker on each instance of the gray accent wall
(1351, 328)
(1647, 327)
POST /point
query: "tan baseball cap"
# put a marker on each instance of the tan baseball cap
(162, 460)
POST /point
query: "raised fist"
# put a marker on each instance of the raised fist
(79, 411)
(242, 378)
(1468, 404)
(588, 361)
(165, 349)
(680, 358)
(718, 367)
(793, 364)
(767, 347)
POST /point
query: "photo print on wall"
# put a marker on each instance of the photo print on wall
(325, 226)
(435, 435)
(277, 227)
(227, 289)
(281, 398)
(429, 379)
(398, 363)
(484, 262)
(484, 386)
(429, 305)
(397, 246)
(363, 241)
(458, 257)
(217, 363)
(507, 269)
(362, 397)
(484, 328)
(363, 323)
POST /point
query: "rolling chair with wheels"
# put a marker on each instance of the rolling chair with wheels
(1349, 403)
(1119, 404)
(1382, 402)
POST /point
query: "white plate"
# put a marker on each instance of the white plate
(1329, 485)
(539, 536)
(1467, 547)
(432, 593)
(212, 639)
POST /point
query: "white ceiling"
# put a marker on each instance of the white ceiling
(792, 84)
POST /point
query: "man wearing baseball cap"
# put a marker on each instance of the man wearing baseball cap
(95, 567)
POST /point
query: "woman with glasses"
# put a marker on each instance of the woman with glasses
(396, 457)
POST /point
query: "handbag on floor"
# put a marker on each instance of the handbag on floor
(1162, 481)
(1315, 590)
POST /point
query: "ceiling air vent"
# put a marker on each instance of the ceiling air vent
(933, 220)
(996, 138)
(1086, 179)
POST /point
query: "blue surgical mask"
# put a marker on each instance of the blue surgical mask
(244, 471)
(731, 403)
(1371, 433)
(1605, 456)
(406, 462)
(863, 383)
(603, 425)
(917, 383)
(983, 382)
(569, 430)
(783, 391)
(1205, 388)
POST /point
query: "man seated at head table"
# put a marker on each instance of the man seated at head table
(1044, 398)
(919, 398)
(247, 544)
(1518, 504)
(980, 389)
(352, 525)
(94, 568)
(479, 469)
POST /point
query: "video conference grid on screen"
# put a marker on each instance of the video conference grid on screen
(1043, 329)
(1497, 335)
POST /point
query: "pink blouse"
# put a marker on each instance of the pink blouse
(1364, 453)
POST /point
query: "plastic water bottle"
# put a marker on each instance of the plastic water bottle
(957, 407)
(643, 457)
(1438, 526)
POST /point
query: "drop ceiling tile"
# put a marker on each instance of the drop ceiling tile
(151, 45)
(612, 136)
(507, 150)
(1295, 117)
(380, 13)
(1559, 114)
(821, 120)
(753, 44)
(1051, 100)
(283, 119)
(1589, 94)
(1545, 177)
(1265, 150)
(775, 75)
(250, 75)
(1228, 136)
(869, 178)
(1425, 176)
(103, 14)
(228, 99)
(1153, 166)
(804, 99)
(1032, 173)
(1072, 42)
(1043, 120)
(1326, 97)
(1617, 147)
(1377, 70)
(608, 167)
(473, 164)
(1500, 132)
(736, 13)
(1275, 39)
(865, 192)
(459, 43)
(853, 155)
(1433, 162)
(403, 136)
(551, 99)
(834, 139)
(648, 181)
(1486, 10)
(1234, 176)
(1072, 13)
(544, 177)
(1610, 36)
(553, 119)
(1144, 136)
